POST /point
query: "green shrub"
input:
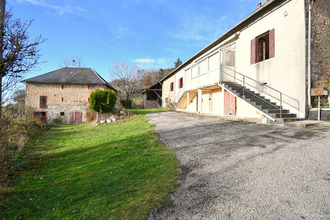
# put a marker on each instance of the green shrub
(127, 103)
(102, 101)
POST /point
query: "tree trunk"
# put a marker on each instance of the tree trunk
(2, 28)
(0, 98)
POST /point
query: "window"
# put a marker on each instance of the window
(194, 72)
(214, 61)
(43, 101)
(62, 86)
(181, 82)
(89, 86)
(62, 113)
(263, 47)
(171, 87)
(62, 99)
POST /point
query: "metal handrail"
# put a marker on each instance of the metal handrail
(244, 83)
(255, 95)
(179, 95)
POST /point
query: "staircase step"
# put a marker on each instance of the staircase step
(259, 101)
(286, 115)
(274, 111)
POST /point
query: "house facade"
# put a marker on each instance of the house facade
(63, 94)
(257, 69)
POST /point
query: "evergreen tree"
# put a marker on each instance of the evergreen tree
(177, 63)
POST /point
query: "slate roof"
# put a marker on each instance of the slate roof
(71, 75)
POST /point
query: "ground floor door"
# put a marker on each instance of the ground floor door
(42, 116)
(230, 103)
(75, 117)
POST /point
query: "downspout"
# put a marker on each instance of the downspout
(309, 54)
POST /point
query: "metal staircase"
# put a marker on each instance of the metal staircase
(260, 102)
(265, 98)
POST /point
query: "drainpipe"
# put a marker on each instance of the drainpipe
(309, 54)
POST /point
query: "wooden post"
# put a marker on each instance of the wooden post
(187, 109)
(319, 109)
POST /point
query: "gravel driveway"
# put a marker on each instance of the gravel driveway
(235, 170)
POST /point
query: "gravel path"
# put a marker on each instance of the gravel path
(235, 170)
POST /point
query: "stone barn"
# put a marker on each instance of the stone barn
(63, 94)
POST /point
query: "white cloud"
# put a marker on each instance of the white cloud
(162, 61)
(147, 63)
(146, 60)
(64, 9)
(120, 32)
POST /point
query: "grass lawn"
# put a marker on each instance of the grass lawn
(145, 111)
(113, 171)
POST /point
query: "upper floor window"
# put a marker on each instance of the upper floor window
(263, 47)
(62, 86)
(171, 87)
(181, 82)
(43, 101)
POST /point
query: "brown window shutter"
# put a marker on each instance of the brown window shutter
(253, 50)
(181, 82)
(271, 43)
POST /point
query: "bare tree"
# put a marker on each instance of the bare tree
(126, 78)
(151, 77)
(17, 53)
(73, 61)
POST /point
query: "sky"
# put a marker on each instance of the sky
(149, 33)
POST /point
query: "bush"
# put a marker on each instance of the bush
(127, 103)
(102, 101)
(14, 132)
(90, 115)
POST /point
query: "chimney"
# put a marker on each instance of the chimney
(259, 5)
(267, 1)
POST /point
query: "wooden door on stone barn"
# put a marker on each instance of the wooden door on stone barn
(75, 117)
(78, 117)
(230, 103)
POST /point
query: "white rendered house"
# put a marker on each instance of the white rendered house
(257, 69)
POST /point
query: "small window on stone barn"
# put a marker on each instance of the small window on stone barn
(62, 113)
(43, 101)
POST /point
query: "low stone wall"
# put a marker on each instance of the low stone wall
(150, 104)
(325, 115)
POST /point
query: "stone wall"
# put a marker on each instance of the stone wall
(61, 98)
(325, 115)
(320, 39)
(147, 104)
